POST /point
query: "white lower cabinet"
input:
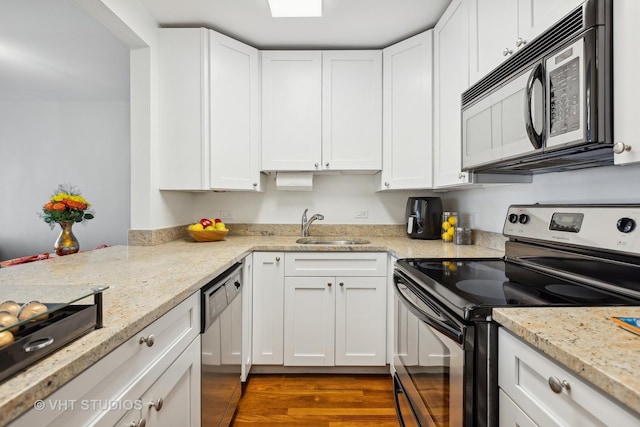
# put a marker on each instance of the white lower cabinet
(160, 362)
(335, 320)
(526, 378)
(319, 309)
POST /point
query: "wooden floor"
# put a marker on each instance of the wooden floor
(317, 400)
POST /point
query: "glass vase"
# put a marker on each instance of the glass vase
(66, 243)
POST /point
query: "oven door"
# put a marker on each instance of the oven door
(433, 361)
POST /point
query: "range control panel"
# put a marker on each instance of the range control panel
(605, 227)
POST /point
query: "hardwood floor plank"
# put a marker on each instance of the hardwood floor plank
(317, 400)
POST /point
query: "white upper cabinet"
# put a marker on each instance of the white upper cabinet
(321, 110)
(291, 110)
(352, 110)
(498, 28)
(234, 115)
(407, 114)
(451, 78)
(626, 15)
(209, 115)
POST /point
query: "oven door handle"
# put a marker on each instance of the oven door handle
(429, 313)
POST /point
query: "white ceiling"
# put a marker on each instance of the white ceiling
(344, 24)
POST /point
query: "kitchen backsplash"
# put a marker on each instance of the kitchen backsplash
(156, 237)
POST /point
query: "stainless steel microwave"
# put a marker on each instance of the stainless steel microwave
(549, 107)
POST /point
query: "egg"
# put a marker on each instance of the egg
(31, 310)
(8, 319)
(10, 306)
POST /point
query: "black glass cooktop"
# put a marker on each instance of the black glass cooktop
(472, 287)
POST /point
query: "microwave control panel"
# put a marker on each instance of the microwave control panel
(607, 227)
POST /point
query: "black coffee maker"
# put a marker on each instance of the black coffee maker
(423, 217)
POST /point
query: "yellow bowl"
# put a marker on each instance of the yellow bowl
(207, 235)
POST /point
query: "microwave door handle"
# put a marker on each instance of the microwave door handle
(534, 137)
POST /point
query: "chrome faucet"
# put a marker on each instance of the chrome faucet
(306, 224)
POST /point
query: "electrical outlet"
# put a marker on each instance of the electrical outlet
(226, 215)
(362, 213)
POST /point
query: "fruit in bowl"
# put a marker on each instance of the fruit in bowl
(208, 230)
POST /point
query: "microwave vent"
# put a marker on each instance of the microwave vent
(571, 25)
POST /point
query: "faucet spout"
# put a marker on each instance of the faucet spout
(306, 223)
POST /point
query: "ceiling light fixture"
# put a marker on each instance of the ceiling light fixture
(295, 8)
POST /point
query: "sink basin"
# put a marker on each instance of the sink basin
(329, 240)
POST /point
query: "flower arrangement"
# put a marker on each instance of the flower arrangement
(66, 205)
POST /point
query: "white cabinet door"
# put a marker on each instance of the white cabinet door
(209, 117)
(451, 78)
(493, 28)
(407, 114)
(234, 115)
(268, 306)
(352, 110)
(309, 321)
(511, 415)
(183, 103)
(360, 325)
(291, 110)
(536, 16)
(175, 398)
(626, 92)
(247, 316)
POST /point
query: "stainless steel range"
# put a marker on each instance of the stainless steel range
(446, 343)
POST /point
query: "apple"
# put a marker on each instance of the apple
(206, 222)
(217, 220)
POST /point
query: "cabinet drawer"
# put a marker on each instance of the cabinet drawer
(335, 264)
(524, 374)
(114, 378)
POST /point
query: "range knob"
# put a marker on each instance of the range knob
(512, 218)
(626, 225)
(523, 218)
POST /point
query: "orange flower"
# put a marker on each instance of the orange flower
(58, 206)
(49, 206)
(75, 205)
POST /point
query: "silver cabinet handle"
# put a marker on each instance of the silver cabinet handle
(277, 259)
(520, 42)
(462, 175)
(341, 283)
(386, 184)
(621, 147)
(556, 385)
(37, 344)
(140, 423)
(157, 404)
(327, 164)
(149, 341)
(506, 51)
(316, 164)
(329, 284)
(255, 184)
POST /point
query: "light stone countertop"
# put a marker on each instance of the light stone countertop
(586, 341)
(144, 283)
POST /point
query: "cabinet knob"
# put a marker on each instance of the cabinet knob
(149, 341)
(386, 184)
(277, 259)
(329, 284)
(556, 385)
(316, 164)
(621, 147)
(520, 42)
(327, 164)
(341, 283)
(141, 423)
(506, 51)
(462, 175)
(255, 184)
(157, 404)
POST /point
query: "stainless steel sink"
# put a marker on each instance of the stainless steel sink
(329, 240)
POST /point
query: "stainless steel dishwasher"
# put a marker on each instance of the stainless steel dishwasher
(221, 347)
